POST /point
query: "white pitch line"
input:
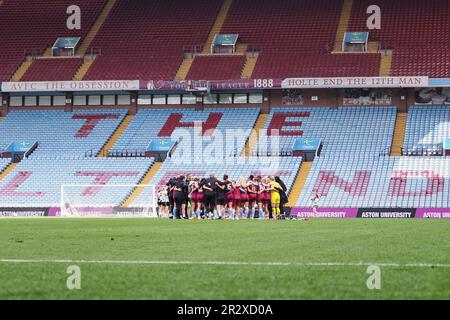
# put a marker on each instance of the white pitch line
(230, 263)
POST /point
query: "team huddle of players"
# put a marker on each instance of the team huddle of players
(191, 197)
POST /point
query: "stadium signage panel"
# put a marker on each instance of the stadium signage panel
(98, 212)
(23, 212)
(299, 212)
(225, 39)
(373, 213)
(355, 82)
(433, 213)
(447, 144)
(306, 144)
(386, 213)
(215, 84)
(356, 37)
(52, 86)
(325, 212)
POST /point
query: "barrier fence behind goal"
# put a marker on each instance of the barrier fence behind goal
(127, 200)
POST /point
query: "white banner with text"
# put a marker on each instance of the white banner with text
(355, 82)
(53, 86)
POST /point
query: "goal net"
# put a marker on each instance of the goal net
(108, 200)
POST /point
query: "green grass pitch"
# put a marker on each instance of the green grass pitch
(163, 259)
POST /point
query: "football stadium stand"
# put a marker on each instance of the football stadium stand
(60, 133)
(216, 67)
(292, 38)
(379, 182)
(52, 69)
(160, 29)
(381, 147)
(427, 127)
(32, 26)
(344, 131)
(150, 124)
(3, 164)
(295, 39)
(417, 31)
(37, 182)
(350, 172)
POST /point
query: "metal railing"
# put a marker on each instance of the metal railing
(93, 52)
(437, 151)
(385, 152)
(331, 46)
(125, 153)
(34, 54)
(190, 50)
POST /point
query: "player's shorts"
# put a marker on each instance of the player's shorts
(229, 196)
(221, 201)
(194, 196)
(180, 199)
(252, 197)
(200, 197)
(275, 198)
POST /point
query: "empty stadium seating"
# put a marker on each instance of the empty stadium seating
(144, 39)
(37, 183)
(379, 182)
(151, 124)
(34, 25)
(216, 67)
(350, 172)
(295, 39)
(286, 168)
(345, 131)
(303, 64)
(432, 62)
(52, 69)
(3, 163)
(61, 133)
(418, 31)
(426, 129)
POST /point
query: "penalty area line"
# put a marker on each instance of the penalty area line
(227, 263)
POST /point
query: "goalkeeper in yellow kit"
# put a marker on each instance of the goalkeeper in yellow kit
(275, 190)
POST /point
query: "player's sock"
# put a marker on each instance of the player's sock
(246, 212)
(261, 213)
